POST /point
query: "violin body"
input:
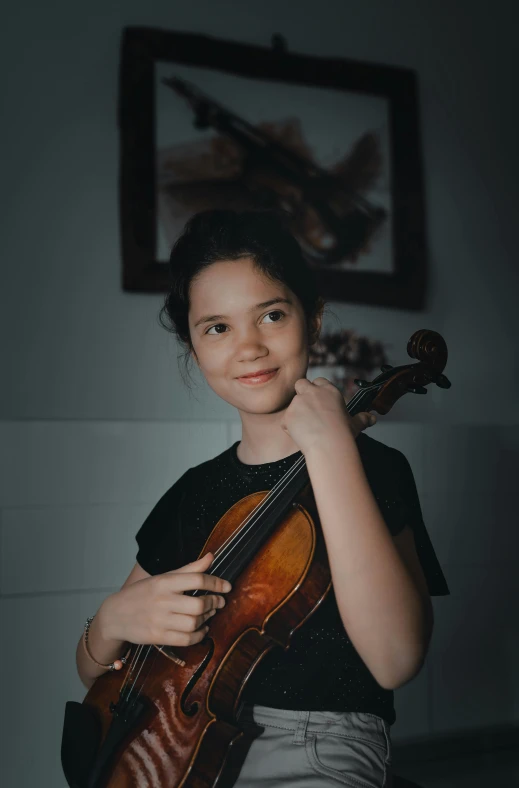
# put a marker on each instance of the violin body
(188, 726)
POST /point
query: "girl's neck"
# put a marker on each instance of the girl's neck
(262, 437)
(257, 453)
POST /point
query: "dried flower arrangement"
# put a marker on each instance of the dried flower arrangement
(346, 355)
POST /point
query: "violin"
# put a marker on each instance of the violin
(176, 708)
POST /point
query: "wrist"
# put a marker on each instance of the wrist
(101, 649)
(342, 443)
(106, 620)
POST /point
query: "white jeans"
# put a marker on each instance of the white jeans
(314, 749)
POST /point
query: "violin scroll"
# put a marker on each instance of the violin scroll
(429, 347)
(380, 395)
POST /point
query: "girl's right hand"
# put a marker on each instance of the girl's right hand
(155, 610)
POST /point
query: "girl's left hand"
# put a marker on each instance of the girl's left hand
(317, 414)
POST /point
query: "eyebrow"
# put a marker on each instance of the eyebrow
(263, 305)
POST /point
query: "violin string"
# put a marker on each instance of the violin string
(267, 501)
(243, 530)
(287, 477)
(277, 489)
(223, 546)
(237, 537)
(289, 474)
(128, 676)
(143, 663)
(131, 668)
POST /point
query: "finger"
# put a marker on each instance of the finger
(196, 605)
(201, 564)
(322, 382)
(175, 637)
(193, 581)
(184, 623)
(302, 383)
(365, 419)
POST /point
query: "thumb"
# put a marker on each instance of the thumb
(369, 418)
(197, 566)
(365, 420)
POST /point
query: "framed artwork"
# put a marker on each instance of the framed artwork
(335, 143)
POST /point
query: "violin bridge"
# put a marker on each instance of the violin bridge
(168, 651)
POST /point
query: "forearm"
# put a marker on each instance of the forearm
(380, 606)
(103, 648)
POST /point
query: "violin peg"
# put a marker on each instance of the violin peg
(443, 382)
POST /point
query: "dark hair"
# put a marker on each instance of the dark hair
(216, 235)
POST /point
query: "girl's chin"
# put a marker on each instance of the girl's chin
(263, 403)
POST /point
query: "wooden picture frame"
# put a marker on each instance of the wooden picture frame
(143, 48)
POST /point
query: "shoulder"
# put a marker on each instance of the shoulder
(167, 505)
(177, 489)
(158, 537)
(387, 469)
(373, 447)
(175, 494)
(378, 456)
(210, 467)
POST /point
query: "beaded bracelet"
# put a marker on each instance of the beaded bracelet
(116, 665)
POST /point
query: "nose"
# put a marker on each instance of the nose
(251, 345)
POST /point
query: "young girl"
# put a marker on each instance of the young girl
(246, 307)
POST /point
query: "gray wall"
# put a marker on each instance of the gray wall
(82, 349)
(93, 411)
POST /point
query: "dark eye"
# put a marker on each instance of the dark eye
(276, 312)
(217, 325)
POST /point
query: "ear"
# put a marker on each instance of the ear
(315, 326)
(194, 356)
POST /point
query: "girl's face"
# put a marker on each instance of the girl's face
(234, 332)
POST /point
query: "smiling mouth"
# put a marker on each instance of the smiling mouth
(261, 378)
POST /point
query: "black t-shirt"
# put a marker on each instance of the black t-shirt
(321, 671)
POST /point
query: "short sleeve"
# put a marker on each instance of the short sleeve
(159, 539)
(403, 509)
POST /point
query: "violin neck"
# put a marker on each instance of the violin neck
(262, 521)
